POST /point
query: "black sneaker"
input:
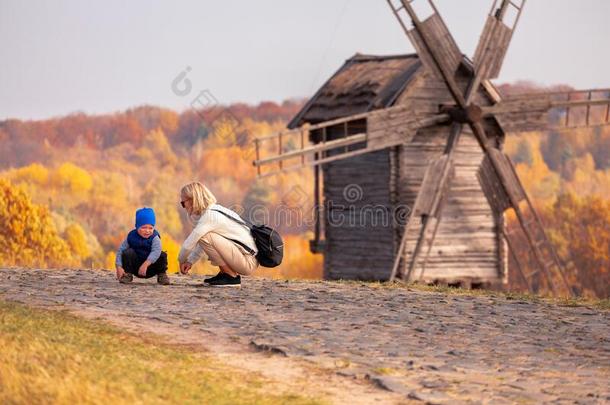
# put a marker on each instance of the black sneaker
(224, 280)
(207, 280)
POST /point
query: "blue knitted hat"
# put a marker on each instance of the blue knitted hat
(145, 216)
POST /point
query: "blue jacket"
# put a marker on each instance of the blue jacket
(141, 245)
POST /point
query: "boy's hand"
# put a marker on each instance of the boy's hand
(120, 272)
(143, 268)
(185, 267)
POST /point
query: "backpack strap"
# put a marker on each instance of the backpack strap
(242, 222)
(248, 249)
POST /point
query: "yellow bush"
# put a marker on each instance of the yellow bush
(28, 236)
(77, 240)
(172, 248)
(34, 173)
(109, 260)
(70, 176)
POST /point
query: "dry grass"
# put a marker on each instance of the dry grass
(571, 302)
(54, 357)
(603, 304)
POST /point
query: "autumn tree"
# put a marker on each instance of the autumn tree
(162, 194)
(601, 149)
(77, 241)
(257, 195)
(73, 178)
(33, 173)
(538, 180)
(28, 236)
(524, 153)
(579, 229)
(156, 149)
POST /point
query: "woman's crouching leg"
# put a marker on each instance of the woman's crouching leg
(225, 253)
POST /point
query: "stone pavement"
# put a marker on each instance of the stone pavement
(426, 346)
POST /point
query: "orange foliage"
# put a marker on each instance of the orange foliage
(298, 260)
(579, 228)
(92, 172)
(227, 162)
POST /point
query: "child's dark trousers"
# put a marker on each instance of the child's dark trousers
(132, 263)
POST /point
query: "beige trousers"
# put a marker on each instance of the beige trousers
(223, 252)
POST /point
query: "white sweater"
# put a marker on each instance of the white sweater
(212, 221)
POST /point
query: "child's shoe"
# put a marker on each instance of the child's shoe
(126, 278)
(162, 278)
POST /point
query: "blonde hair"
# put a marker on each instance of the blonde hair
(201, 196)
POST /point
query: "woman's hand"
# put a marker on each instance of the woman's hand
(120, 272)
(185, 267)
(143, 268)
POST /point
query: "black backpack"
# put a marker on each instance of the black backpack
(268, 242)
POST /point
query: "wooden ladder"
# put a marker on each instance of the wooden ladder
(511, 196)
(544, 252)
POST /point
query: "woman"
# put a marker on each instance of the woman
(219, 235)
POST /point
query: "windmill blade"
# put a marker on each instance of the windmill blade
(435, 46)
(436, 179)
(501, 174)
(501, 187)
(493, 45)
(430, 201)
(432, 39)
(359, 134)
(495, 38)
(503, 190)
(428, 204)
(553, 110)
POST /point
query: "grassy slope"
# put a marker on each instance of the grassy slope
(53, 357)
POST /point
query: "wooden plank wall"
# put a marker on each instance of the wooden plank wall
(466, 242)
(466, 245)
(359, 240)
(361, 235)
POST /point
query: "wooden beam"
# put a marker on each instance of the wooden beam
(544, 101)
(385, 128)
(321, 161)
(320, 147)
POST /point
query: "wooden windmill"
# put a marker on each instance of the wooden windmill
(425, 131)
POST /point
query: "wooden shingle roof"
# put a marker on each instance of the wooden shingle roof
(363, 83)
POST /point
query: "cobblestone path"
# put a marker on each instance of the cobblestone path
(424, 346)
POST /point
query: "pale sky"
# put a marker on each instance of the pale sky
(64, 56)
